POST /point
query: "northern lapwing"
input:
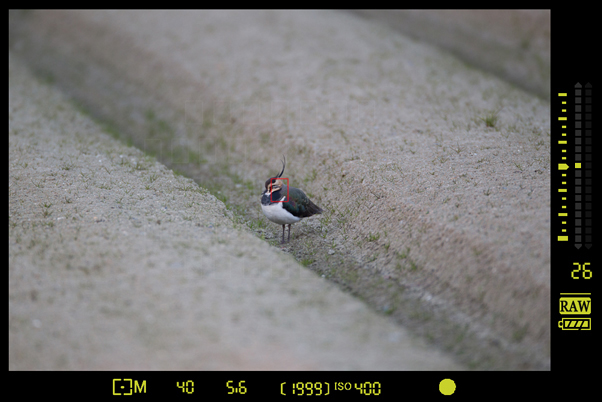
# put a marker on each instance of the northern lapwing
(285, 205)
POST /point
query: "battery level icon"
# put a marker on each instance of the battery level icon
(574, 324)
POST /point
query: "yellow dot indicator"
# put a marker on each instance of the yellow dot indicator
(447, 386)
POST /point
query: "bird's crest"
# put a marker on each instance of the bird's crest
(272, 180)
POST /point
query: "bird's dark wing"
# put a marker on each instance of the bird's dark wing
(299, 204)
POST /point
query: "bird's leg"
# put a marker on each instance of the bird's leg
(282, 242)
(289, 232)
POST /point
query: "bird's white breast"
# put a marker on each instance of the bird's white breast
(277, 214)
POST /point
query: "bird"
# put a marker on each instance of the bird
(286, 205)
